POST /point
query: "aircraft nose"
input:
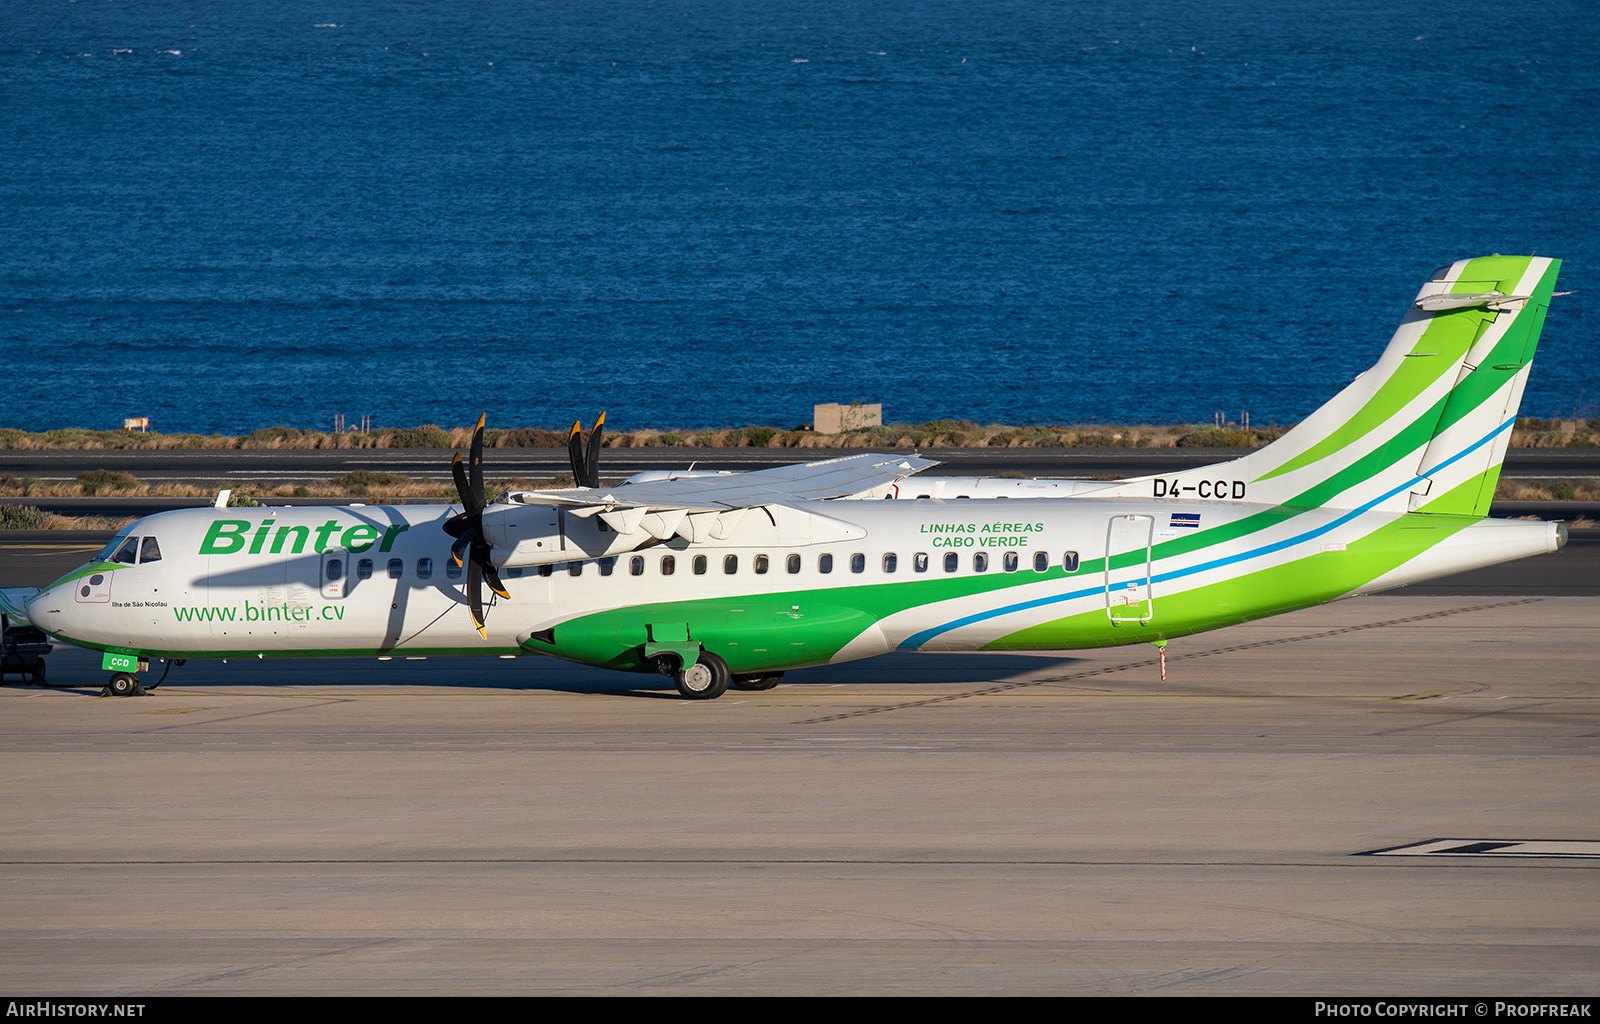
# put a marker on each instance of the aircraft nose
(46, 609)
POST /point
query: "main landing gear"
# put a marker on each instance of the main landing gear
(708, 678)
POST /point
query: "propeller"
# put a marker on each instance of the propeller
(467, 527)
(586, 458)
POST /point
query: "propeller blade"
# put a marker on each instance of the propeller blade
(469, 507)
(591, 462)
(575, 453)
(475, 465)
(475, 596)
(493, 577)
(467, 528)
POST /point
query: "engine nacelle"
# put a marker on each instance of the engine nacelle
(523, 535)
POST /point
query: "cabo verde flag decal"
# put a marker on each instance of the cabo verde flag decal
(1185, 520)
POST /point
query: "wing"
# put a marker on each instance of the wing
(780, 485)
(708, 506)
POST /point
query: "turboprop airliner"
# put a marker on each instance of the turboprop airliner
(735, 578)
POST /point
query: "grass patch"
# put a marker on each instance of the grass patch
(97, 480)
(1529, 432)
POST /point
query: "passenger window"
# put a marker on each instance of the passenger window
(335, 569)
(889, 561)
(516, 574)
(980, 561)
(824, 563)
(1069, 561)
(762, 565)
(452, 570)
(858, 562)
(950, 560)
(149, 551)
(636, 565)
(1012, 561)
(397, 568)
(793, 564)
(669, 565)
(544, 570)
(607, 565)
(1041, 561)
(364, 569)
(730, 565)
(919, 561)
(699, 565)
(574, 568)
(424, 568)
(128, 553)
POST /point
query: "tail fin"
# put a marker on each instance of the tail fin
(1426, 429)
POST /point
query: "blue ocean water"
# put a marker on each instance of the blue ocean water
(699, 213)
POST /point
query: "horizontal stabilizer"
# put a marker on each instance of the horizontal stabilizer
(1489, 300)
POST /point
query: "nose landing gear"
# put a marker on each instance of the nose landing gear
(126, 684)
(123, 684)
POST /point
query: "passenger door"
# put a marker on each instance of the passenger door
(1129, 596)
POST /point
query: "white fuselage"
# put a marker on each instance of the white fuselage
(930, 575)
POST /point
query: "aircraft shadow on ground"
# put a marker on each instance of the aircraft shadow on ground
(79, 671)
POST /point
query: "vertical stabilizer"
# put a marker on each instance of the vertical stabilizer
(1426, 429)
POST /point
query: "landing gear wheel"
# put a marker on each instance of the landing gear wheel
(123, 684)
(706, 679)
(758, 682)
(38, 672)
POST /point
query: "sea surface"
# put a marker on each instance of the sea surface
(225, 216)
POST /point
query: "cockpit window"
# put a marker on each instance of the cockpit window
(149, 551)
(111, 548)
(128, 553)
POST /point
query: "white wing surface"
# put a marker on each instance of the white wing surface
(780, 485)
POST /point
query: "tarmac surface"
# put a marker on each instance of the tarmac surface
(914, 824)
